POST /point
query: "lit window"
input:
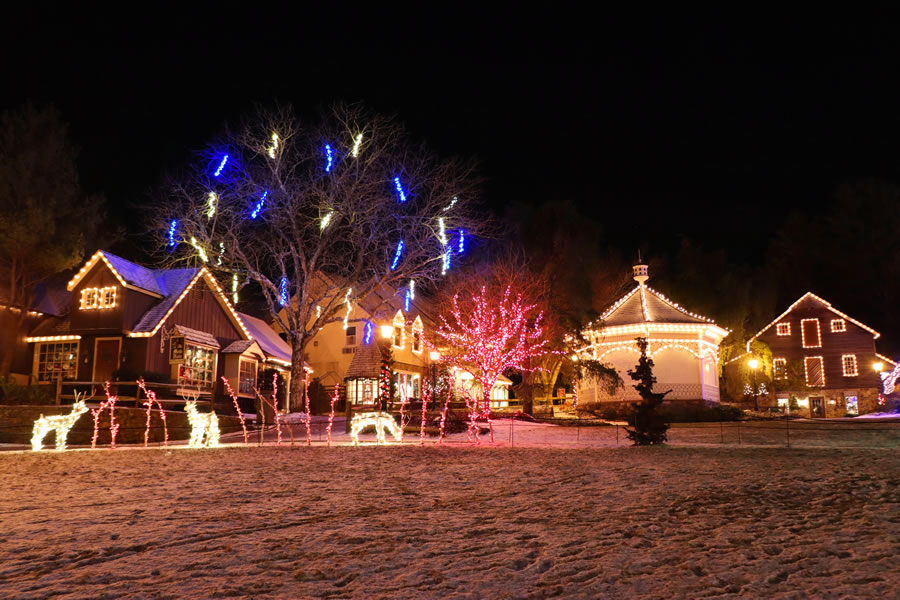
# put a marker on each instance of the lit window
(199, 366)
(783, 329)
(57, 361)
(399, 330)
(779, 365)
(838, 326)
(852, 405)
(782, 402)
(351, 336)
(814, 370)
(849, 363)
(810, 333)
(92, 298)
(248, 377)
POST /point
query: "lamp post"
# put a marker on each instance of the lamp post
(754, 364)
(435, 356)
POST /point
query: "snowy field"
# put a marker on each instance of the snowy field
(452, 522)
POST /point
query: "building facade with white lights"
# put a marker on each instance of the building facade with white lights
(125, 321)
(684, 346)
(831, 352)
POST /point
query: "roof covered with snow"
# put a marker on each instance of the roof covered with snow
(366, 363)
(265, 336)
(643, 304)
(171, 284)
(198, 337)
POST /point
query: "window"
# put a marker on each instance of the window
(399, 330)
(811, 333)
(199, 368)
(783, 329)
(398, 337)
(779, 365)
(351, 336)
(92, 298)
(57, 360)
(248, 377)
(417, 341)
(848, 361)
(852, 405)
(838, 326)
(782, 402)
(815, 372)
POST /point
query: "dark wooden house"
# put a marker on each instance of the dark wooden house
(832, 353)
(126, 321)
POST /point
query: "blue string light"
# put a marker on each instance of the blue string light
(401, 194)
(406, 301)
(259, 205)
(368, 334)
(462, 241)
(221, 166)
(397, 254)
(329, 158)
(173, 227)
(283, 291)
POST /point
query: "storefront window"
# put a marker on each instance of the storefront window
(248, 376)
(852, 405)
(57, 360)
(199, 368)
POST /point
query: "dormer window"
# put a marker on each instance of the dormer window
(417, 330)
(783, 329)
(838, 326)
(399, 330)
(95, 298)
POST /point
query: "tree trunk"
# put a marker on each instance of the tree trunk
(11, 326)
(296, 396)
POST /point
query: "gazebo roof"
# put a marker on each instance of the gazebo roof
(366, 363)
(643, 304)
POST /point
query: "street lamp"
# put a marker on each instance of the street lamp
(754, 364)
(879, 367)
(386, 331)
(435, 356)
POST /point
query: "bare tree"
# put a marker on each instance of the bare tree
(319, 215)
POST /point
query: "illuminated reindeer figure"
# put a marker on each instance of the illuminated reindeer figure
(203, 425)
(380, 420)
(60, 423)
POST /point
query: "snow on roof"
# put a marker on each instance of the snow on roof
(238, 347)
(198, 337)
(135, 274)
(173, 282)
(265, 336)
(366, 363)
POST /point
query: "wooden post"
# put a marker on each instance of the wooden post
(349, 414)
(58, 389)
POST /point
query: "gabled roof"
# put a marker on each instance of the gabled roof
(242, 346)
(272, 345)
(129, 274)
(198, 337)
(366, 363)
(643, 304)
(823, 302)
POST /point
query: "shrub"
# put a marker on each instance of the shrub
(11, 392)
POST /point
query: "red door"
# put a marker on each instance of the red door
(106, 359)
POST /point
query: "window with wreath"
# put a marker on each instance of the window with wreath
(57, 361)
(248, 376)
(199, 368)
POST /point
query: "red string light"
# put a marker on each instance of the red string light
(151, 400)
(306, 396)
(334, 398)
(237, 407)
(426, 398)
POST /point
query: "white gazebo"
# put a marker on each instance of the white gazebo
(684, 346)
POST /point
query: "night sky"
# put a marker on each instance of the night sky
(657, 125)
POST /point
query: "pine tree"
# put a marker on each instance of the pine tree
(649, 427)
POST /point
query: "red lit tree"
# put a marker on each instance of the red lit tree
(487, 336)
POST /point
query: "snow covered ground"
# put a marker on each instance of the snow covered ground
(452, 522)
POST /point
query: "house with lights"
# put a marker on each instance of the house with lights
(835, 353)
(124, 321)
(684, 346)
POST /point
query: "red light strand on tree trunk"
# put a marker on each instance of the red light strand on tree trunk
(237, 407)
(306, 396)
(334, 398)
(151, 400)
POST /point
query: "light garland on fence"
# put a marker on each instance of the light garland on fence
(221, 166)
(234, 288)
(271, 149)
(334, 398)
(356, 143)
(61, 424)
(199, 249)
(329, 158)
(325, 221)
(173, 228)
(283, 291)
(452, 202)
(349, 307)
(204, 427)
(397, 253)
(257, 208)
(211, 200)
(151, 400)
(401, 193)
(380, 420)
(237, 407)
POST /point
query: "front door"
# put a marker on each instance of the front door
(817, 407)
(106, 358)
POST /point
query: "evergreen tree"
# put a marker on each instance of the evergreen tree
(649, 427)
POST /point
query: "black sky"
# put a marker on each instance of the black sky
(659, 126)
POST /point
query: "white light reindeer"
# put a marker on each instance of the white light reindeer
(380, 420)
(60, 423)
(203, 425)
